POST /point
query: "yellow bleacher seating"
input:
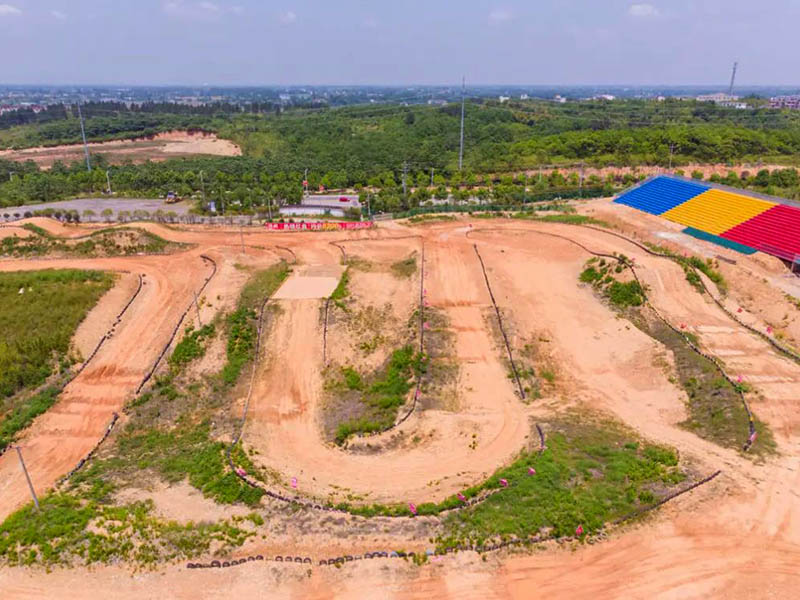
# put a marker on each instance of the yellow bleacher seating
(716, 211)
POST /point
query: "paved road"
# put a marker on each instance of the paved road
(100, 204)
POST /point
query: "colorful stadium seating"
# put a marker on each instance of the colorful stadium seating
(661, 194)
(776, 232)
(720, 241)
(716, 211)
(732, 220)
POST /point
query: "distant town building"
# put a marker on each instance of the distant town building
(716, 98)
(559, 99)
(608, 97)
(523, 96)
(721, 99)
(504, 99)
(733, 104)
(792, 102)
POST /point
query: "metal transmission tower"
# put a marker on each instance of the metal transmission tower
(83, 135)
(461, 147)
(733, 78)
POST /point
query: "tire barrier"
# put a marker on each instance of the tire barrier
(341, 249)
(152, 370)
(500, 323)
(492, 547)
(88, 457)
(110, 332)
(664, 500)
(290, 251)
(777, 345)
(542, 446)
(627, 264)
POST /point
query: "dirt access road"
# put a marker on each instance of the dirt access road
(736, 538)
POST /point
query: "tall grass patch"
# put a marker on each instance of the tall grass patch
(39, 313)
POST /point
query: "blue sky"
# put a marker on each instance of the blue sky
(243, 42)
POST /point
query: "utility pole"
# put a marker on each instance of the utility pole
(580, 181)
(733, 78)
(108, 180)
(83, 135)
(461, 147)
(28, 477)
(305, 182)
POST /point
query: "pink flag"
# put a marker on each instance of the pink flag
(753, 437)
(531, 471)
(241, 471)
(739, 379)
(683, 325)
(412, 508)
(461, 497)
(426, 325)
(769, 329)
(740, 309)
(294, 482)
(504, 482)
(579, 530)
(417, 395)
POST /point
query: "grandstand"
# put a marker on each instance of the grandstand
(732, 219)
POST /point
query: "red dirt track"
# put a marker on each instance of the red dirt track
(738, 537)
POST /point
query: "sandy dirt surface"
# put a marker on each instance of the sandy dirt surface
(738, 537)
(310, 281)
(158, 148)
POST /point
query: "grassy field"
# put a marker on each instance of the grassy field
(716, 412)
(375, 397)
(39, 313)
(591, 473)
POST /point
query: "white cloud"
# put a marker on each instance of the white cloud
(499, 15)
(6, 10)
(57, 14)
(643, 11)
(288, 17)
(199, 11)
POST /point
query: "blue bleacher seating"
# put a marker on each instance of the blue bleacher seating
(661, 194)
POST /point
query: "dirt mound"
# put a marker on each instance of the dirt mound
(157, 148)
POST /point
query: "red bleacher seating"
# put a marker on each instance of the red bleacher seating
(776, 231)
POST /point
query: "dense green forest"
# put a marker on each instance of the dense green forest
(379, 146)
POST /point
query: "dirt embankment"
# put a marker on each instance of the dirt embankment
(160, 147)
(649, 170)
